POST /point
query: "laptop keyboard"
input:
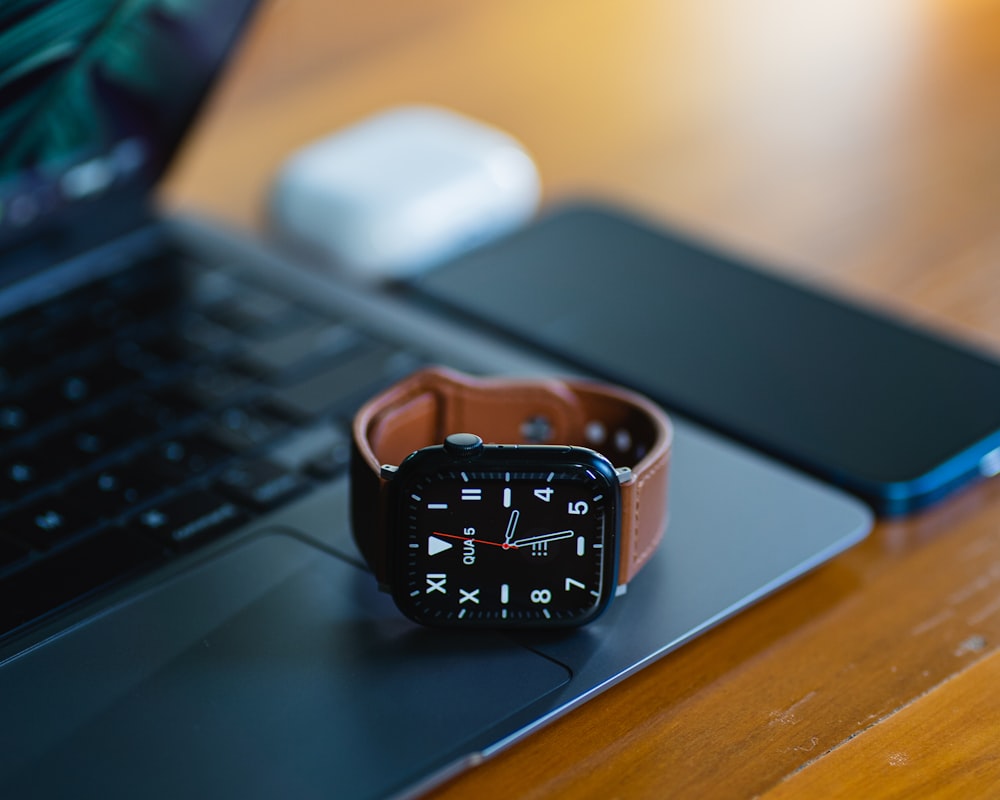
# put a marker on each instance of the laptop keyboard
(156, 410)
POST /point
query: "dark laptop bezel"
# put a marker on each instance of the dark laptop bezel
(75, 228)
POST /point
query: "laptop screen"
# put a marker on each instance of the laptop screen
(94, 97)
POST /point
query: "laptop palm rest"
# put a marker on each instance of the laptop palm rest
(273, 669)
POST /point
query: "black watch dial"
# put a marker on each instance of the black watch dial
(526, 540)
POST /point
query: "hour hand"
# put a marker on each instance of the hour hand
(511, 524)
(542, 537)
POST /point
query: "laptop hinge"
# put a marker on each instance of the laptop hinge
(65, 257)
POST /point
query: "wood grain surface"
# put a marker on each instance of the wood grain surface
(853, 143)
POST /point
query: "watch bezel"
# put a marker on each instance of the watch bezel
(503, 457)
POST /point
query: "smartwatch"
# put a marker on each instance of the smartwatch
(507, 503)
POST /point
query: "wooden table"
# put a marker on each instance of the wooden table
(855, 143)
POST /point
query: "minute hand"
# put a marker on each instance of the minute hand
(542, 537)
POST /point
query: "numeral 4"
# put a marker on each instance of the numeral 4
(544, 494)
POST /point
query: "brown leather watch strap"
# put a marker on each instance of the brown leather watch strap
(424, 408)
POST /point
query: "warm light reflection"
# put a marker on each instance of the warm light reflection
(828, 76)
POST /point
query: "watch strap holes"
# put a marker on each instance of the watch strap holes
(537, 429)
(595, 433)
(624, 443)
(623, 440)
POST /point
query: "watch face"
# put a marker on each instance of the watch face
(510, 537)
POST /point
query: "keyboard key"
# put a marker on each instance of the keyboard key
(44, 523)
(209, 287)
(344, 385)
(214, 386)
(55, 337)
(154, 412)
(190, 519)
(17, 360)
(200, 335)
(23, 474)
(71, 574)
(242, 429)
(18, 477)
(179, 459)
(157, 356)
(330, 463)
(118, 310)
(261, 484)
(93, 439)
(75, 389)
(14, 419)
(323, 449)
(297, 351)
(255, 313)
(114, 491)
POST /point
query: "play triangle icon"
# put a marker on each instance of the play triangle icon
(436, 545)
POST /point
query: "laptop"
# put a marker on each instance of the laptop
(182, 609)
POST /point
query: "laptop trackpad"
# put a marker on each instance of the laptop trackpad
(272, 670)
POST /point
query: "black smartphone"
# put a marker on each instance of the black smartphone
(894, 414)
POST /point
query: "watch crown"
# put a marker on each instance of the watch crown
(463, 444)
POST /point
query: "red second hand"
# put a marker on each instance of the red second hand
(502, 545)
